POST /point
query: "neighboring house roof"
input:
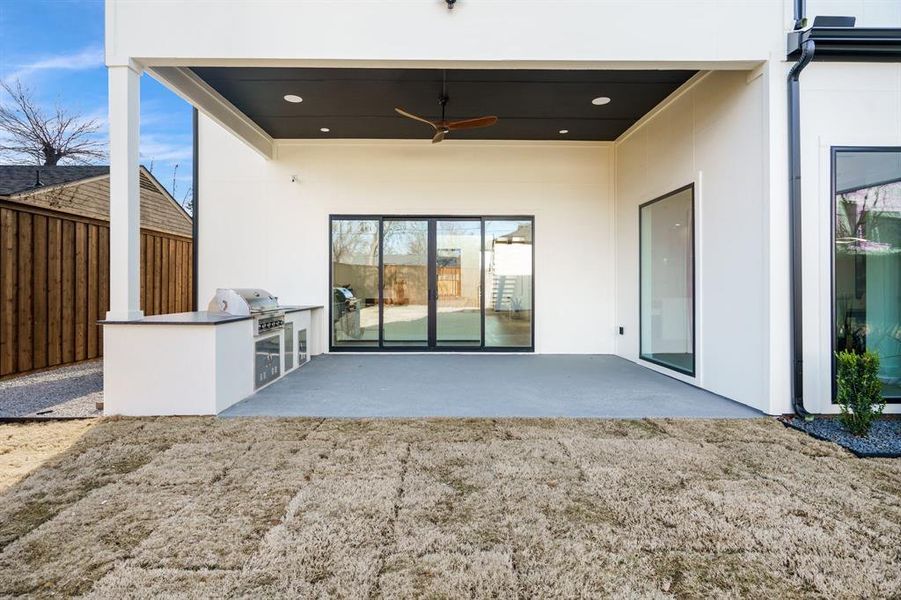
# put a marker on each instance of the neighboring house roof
(84, 191)
(15, 179)
(522, 235)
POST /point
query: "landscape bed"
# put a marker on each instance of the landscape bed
(206, 507)
(883, 441)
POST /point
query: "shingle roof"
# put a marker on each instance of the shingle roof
(84, 191)
(17, 178)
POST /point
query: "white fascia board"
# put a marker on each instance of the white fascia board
(573, 65)
(199, 94)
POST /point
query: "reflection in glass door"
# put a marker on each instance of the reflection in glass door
(405, 283)
(457, 277)
(427, 283)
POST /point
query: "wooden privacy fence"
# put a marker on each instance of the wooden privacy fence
(54, 285)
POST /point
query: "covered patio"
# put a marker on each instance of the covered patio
(496, 385)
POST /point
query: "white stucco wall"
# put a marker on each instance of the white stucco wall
(715, 135)
(225, 31)
(259, 229)
(869, 13)
(842, 104)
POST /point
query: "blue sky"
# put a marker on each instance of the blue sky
(55, 48)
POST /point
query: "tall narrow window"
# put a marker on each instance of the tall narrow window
(355, 282)
(667, 281)
(867, 259)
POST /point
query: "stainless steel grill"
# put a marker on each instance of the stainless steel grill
(251, 302)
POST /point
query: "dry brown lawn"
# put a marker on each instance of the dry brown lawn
(24, 448)
(203, 507)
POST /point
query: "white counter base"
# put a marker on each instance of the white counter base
(186, 368)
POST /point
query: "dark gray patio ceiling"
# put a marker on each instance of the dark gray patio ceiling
(359, 103)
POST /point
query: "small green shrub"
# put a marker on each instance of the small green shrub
(859, 391)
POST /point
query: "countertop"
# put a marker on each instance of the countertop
(202, 317)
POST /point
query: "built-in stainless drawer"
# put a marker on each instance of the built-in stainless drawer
(267, 360)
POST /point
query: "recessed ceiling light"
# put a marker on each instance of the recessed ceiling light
(324, 129)
(564, 131)
(293, 98)
(601, 100)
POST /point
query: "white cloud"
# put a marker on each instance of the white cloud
(161, 149)
(88, 58)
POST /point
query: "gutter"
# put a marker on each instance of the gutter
(794, 201)
(794, 197)
(847, 43)
(830, 38)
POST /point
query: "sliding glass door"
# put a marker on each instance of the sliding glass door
(458, 282)
(508, 283)
(422, 283)
(355, 282)
(405, 283)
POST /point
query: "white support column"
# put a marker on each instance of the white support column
(125, 212)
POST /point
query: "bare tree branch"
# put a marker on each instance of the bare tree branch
(29, 132)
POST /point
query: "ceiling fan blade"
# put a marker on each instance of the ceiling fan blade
(404, 113)
(472, 123)
(439, 136)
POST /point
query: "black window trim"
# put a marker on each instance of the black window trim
(694, 277)
(833, 155)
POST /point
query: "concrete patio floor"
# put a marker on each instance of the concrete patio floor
(484, 385)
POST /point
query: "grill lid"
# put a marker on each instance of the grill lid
(243, 301)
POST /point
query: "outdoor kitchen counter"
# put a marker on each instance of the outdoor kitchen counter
(201, 317)
(194, 363)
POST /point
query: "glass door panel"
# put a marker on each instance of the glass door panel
(355, 278)
(508, 283)
(457, 281)
(405, 283)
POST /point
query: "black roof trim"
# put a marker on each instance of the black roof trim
(871, 44)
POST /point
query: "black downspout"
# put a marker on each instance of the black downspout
(794, 195)
(194, 212)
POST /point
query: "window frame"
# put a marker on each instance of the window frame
(379, 346)
(694, 284)
(833, 173)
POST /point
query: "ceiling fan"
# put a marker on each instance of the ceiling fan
(442, 127)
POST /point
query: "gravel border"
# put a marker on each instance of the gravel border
(70, 391)
(884, 440)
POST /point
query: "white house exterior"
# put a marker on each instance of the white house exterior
(604, 209)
